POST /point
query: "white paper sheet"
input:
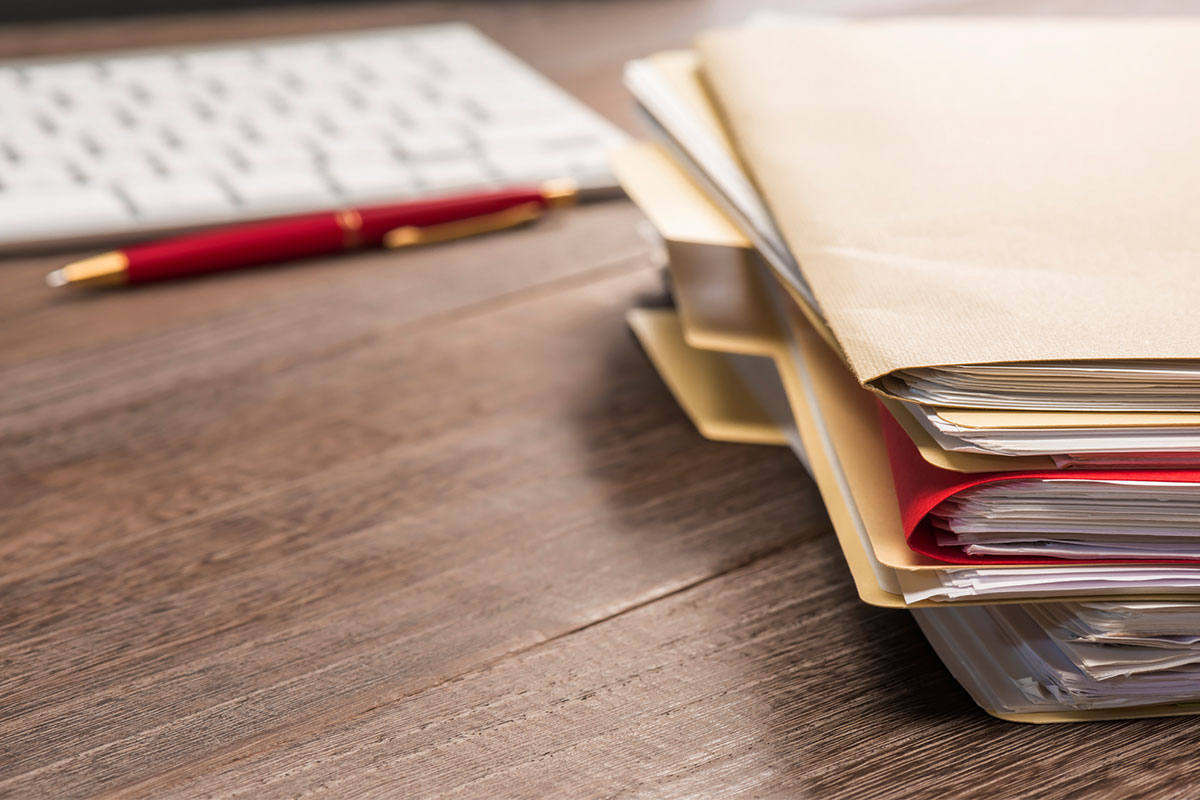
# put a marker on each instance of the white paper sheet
(1071, 518)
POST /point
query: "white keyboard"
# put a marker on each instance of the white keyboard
(125, 145)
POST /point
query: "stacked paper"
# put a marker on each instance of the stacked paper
(951, 264)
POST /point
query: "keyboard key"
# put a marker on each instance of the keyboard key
(419, 146)
(418, 112)
(536, 136)
(441, 176)
(371, 149)
(117, 166)
(36, 175)
(178, 199)
(281, 191)
(279, 155)
(27, 134)
(148, 70)
(79, 210)
(361, 181)
(297, 124)
(236, 64)
(70, 74)
(527, 167)
(506, 106)
(196, 155)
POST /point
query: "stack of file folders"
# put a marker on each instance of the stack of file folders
(955, 266)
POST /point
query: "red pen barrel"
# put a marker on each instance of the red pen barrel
(310, 235)
(236, 248)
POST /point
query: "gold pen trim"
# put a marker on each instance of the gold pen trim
(560, 192)
(412, 235)
(350, 221)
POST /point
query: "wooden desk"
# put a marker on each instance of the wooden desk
(428, 525)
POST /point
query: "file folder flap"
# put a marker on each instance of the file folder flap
(953, 460)
(999, 420)
(676, 207)
(876, 582)
(711, 264)
(718, 295)
(667, 193)
(703, 382)
(854, 433)
(920, 486)
(681, 69)
(936, 224)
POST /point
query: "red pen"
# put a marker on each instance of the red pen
(311, 235)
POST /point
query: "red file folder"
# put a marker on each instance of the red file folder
(920, 486)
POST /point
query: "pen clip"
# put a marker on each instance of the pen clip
(411, 235)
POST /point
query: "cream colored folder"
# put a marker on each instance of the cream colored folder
(703, 383)
(972, 192)
(859, 491)
(704, 250)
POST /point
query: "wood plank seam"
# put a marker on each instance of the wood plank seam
(350, 710)
(626, 265)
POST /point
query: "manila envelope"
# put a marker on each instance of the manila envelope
(978, 191)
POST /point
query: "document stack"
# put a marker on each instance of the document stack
(954, 265)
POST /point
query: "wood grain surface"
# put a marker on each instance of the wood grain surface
(428, 525)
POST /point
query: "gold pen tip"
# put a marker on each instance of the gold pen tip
(560, 192)
(104, 269)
